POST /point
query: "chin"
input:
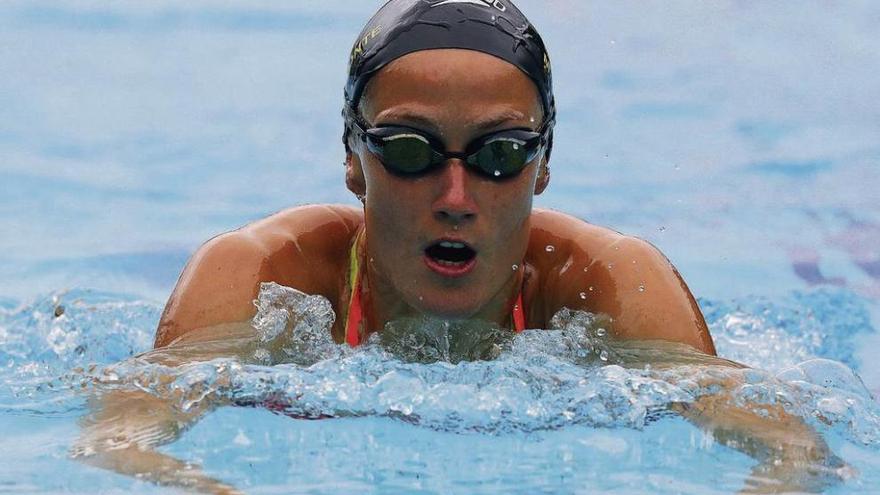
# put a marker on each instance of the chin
(459, 307)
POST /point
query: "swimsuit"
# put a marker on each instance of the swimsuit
(354, 320)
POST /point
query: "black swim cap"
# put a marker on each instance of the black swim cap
(495, 27)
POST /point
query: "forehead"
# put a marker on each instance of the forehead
(452, 79)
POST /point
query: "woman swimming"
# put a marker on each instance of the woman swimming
(449, 118)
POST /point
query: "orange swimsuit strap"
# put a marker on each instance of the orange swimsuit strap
(355, 319)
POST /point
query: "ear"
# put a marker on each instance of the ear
(543, 177)
(354, 175)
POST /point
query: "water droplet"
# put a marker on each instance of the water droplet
(592, 288)
(601, 332)
(642, 288)
(603, 355)
(516, 268)
(497, 173)
(516, 147)
(584, 296)
(662, 229)
(586, 269)
(550, 249)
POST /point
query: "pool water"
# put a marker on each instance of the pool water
(739, 137)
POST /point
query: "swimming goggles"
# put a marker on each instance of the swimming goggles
(408, 152)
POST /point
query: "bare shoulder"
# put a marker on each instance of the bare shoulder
(599, 270)
(570, 234)
(303, 247)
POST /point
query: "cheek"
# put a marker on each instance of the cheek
(390, 206)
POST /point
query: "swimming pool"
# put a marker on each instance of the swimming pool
(740, 138)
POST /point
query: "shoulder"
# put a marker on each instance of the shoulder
(566, 248)
(567, 234)
(599, 270)
(559, 241)
(304, 247)
(281, 245)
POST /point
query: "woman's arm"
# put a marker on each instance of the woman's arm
(124, 429)
(791, 455)
(126, 426)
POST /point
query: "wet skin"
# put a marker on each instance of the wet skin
(561, 261)
(457, 96)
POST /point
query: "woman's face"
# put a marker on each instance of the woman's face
(413, 224)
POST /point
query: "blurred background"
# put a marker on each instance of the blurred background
(741, 137)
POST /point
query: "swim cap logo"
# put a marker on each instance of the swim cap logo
(361, 46)
(483, 3)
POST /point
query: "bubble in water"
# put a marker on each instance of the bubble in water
(550, 249)
(497, 173)
(642, 288)
(592, 288)
(516, 268)
(662, 229)
(603, 355)
(516, 147)
(601, 332)
(584, 296)
(586, 269)
(610, 266)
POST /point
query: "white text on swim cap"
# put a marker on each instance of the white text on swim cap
(485, 3)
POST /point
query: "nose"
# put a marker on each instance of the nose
(454, 203)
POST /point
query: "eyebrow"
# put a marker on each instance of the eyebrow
(483, 123)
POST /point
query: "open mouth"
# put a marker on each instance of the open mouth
(450, 253)
(450, 258)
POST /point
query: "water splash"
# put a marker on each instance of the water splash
(440, 375)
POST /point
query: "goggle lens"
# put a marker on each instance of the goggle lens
(503, 157)
(406, 153)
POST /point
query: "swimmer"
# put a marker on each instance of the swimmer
(449, 117)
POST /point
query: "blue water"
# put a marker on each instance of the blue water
(739, 137)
